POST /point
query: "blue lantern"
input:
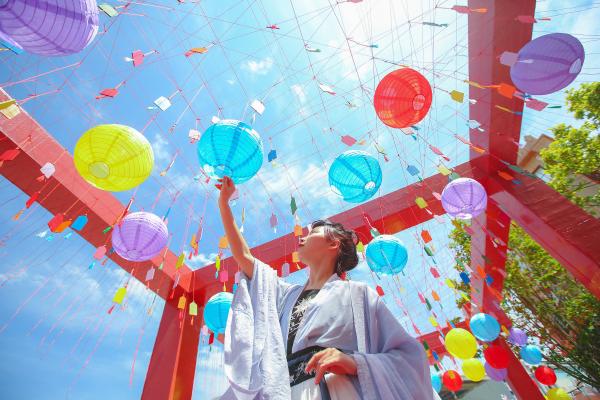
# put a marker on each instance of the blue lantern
(216, 312)
(484, 327)
(531, 354)
(436, 382)
(355, 175)
(230, 148)
(386, 254)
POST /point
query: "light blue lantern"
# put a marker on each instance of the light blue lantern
(355, 175)
(230, 148)
(436, 382)
(484, 327)
(216, 312)
(531, 354)
(386, 254)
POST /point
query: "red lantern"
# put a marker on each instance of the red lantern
(452, 380)
(497, 356)
(402, 98)
(545, 375)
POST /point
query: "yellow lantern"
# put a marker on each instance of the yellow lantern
(113, 157)
(557, 394)
(473, 369)
(460, 343)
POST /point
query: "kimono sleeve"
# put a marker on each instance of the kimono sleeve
(262, 271)
(395, 364)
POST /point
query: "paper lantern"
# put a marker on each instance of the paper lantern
(517, 337)
(230, 148)
(460, 343)
(113, 157)
(49, 28)
(402, 98)
(452, 380)
(140, 236)
(473, 369)
(484, 327)
(494, 373)
(216, 312)
(557, 394)
(464, 198)
(545, 375)
(436, 382)
(355, 175)
(548, 63)
(386, 254)
(531, 354)
(497, 356)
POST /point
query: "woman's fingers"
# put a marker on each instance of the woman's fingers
(323, 367)
(314, 360)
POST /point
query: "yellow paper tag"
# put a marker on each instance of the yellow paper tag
(450, 283)
(297, 230)
(193, 308)
(433, 322)
(421, 202)
(295, 257)
(180, 261)
(443, 170)
(119, 295)
(457, 96)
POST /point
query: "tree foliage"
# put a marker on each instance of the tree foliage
(539, 294)
(573, 159)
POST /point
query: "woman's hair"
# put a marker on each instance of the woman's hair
(347, 258)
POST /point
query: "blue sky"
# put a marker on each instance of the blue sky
(59, 305)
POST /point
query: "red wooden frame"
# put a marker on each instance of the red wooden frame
(562, 228)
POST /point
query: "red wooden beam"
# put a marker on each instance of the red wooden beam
(66, 190)
(563, 229)
(390, 214)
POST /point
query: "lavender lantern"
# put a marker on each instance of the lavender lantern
(464, 198)
(494, 373)
(49, 28)
(140, 236)
(548, 63)
(517, 337)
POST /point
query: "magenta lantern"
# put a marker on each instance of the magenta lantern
(140, 236)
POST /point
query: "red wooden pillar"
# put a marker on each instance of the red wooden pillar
(172, 366)
(519, 380)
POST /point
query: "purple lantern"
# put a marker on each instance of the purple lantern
(517, 337)
(464, 198)
(494, 373)
(548, 63)
(140, 236)
(49, 28)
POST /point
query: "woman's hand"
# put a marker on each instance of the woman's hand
(227, 188)
(331, 360)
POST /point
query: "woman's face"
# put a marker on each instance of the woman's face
(315, 246)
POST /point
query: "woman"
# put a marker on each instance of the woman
(328, 338)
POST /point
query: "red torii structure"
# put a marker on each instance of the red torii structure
(563, 229)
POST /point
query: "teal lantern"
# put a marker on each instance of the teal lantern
(355, 175)
(531, 354)
(216, 312)
(386, 254)
(230, 148)
(484, 327)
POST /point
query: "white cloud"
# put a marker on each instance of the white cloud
(260, 67)
(202, 260)
(299, 92)
(160, 149)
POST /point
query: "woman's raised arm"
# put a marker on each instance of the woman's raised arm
(239, 247)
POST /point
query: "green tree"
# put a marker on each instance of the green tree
(573, 159)
(539, 294)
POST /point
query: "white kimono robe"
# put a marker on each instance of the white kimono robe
(345, 315)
